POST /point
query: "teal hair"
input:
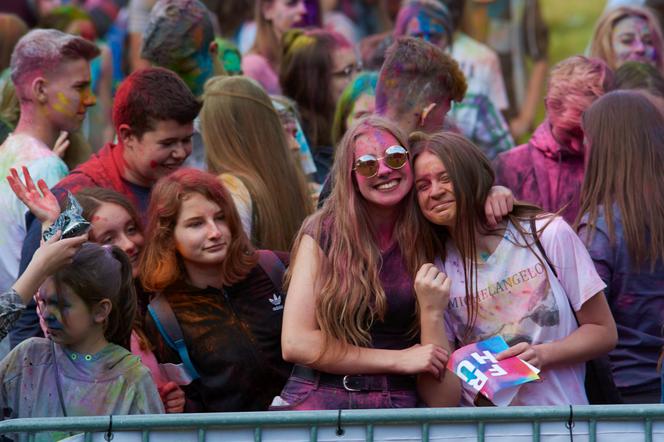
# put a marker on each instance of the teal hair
(363, 83)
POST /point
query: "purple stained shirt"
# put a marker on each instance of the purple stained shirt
(636, 298)
(396, 331)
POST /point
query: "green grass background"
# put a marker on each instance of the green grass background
(571, 24)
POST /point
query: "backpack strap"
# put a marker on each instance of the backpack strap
(272, 265)
(540, 247)
(169, 328)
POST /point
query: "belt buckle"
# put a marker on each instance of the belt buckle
(345, 384)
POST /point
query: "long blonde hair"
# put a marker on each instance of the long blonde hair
(601, 46)
(243, 136)
(351, 295)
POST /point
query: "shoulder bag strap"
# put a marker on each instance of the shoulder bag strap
(272, 265)
(169, 328)
(540, 247)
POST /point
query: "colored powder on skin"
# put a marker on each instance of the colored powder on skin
(301, 42)
(62, 104)
(53, 323)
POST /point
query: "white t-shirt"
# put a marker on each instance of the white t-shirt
(481, 67)
(17, 151)
(521, 300)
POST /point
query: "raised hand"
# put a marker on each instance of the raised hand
(44, 205)
(498, 204)
(432, 288)
(56, 253)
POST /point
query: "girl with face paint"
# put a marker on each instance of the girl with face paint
(502, 282)
(83, 367)
(628, 33)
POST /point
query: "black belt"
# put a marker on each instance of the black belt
(356, 382)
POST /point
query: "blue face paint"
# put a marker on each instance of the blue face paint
(432, 31)
(195, 70)
(53, 323)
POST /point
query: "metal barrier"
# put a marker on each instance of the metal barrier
(412, 424)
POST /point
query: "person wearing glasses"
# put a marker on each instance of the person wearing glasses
(316, 68)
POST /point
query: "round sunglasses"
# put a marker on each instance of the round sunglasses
(395, 158)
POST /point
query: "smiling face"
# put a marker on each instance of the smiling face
(389, 187)
(67, 94)
(435, 192)
(113, 225)
(283, 14)
(633, 40)
(201, 234)
(158, 152)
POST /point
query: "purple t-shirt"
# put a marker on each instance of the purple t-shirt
(636, 298)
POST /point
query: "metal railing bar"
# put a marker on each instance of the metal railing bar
(425, 432)
(648, 429)
(361, 417)
(536, 431)
(480, 431)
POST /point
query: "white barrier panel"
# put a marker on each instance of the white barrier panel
(614, 431)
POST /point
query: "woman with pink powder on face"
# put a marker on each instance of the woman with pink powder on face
(628, 33)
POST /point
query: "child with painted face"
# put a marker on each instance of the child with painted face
(350, 322)
(113, 222)
(82, 369)
(502, 283)
(199, 260)
(628, 33)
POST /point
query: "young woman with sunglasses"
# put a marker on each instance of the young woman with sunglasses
(350, 320)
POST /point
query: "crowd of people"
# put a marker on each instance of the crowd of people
(304, 205)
